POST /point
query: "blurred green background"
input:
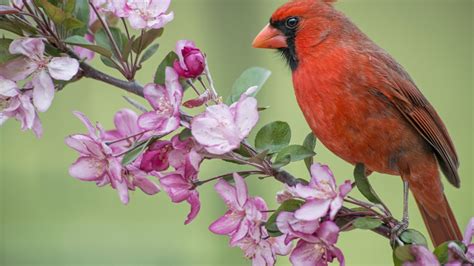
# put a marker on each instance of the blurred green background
(49, 218)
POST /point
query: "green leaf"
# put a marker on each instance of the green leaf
(259, 158)
(367, 223)
(403, 254)
(411, 236)
(290, 205)
(442, 251)
(295, 153)
(149, 52)
(82, 42)
(283, 161)
(254, 76)
(102, 39)
(273, 137)
(146, 39)
(69, 6)
(108, 62)
(72, 23)
(185, 134)
(55, 13)
(362, 183)
(134, 152)
(11, 27)
(309, 143)
(82, 13)
(5, 55)
(167, 62)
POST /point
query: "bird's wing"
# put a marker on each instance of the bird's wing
(418, 111)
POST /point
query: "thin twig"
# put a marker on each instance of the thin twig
(112, 41)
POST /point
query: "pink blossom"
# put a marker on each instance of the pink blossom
(261, 248)
(191, 61)
(318, 249)
(199, 101)
(423, 257)
(40, 67)
(19, 3)
(17, 104)
(144, 14)
(156, 156)
(221, 128)
(85, 53)
(243, 214)
(454, 260)
(96, 162)
(135, 177)
(126, 132)
(289, 225)
(180, 184)
(321, 194)
(165, 101)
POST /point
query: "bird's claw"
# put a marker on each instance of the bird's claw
(397, 230)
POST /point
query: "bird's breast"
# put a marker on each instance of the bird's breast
(355, 122)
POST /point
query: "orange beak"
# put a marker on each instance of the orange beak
(270, 38)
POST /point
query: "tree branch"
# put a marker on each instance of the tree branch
(130, 86)
(280, 175)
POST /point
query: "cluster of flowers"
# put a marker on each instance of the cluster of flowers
(425, 257)
(311, 225)
(36, 71)
(141, 14)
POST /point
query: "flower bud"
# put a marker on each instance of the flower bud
(191, 61)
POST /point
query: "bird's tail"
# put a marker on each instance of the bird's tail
(442, 225)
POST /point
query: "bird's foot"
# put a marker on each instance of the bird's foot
(397, 230)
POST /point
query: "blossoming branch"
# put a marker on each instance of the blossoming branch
(161, 147)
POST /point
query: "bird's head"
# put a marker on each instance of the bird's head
(297, 25)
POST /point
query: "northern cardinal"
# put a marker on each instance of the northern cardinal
(364, 107)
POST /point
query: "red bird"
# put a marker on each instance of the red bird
(364, 106)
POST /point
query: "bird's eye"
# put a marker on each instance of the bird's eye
(292, 22)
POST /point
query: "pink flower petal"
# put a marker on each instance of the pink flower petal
(322, 174)
(154, 94)
(92, 130)
(150, 120)
(122, 189)
(30, 47)
(226, 224)
(176, 187)
(287, 223)
(77, 142)
(179, 51)
(136, 21)
(246, 115)
(146, 185)
(63, 68)
(469, 232)
(329, 232)
(8, 88)
(336, 205)
(114, 169)
(18, 69)
(125, 121)
(227, 193)
(240, 233)
(305, 254)
(193, 200)
(241, 189)
(43, 92)
(88, 169)
(313, 210)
